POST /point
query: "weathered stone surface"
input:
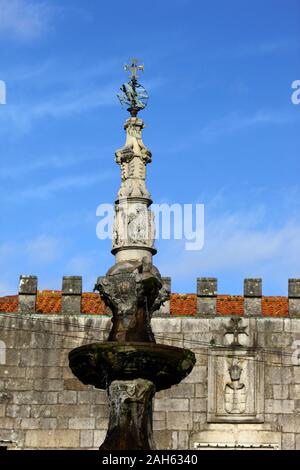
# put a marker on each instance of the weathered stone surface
(294, 307)
(161, 325)
(52, 439)
(47, 385)
(93, 397)
(288, 441)
(163, 439)
(133, 290)
(253, 287)
(294, 288)
(71, 304)
(86, 439)
(252, 307)
(279, 406)
(67, 397)
(206, 306)
(130, 425)
(43, 412)
(182, 390)
(179, 420)
(290, 423)
(207, 286)
(71, 295)
(235, 386)
(27, 294)
(206, 296)
(28, 285)
(2, 410)
(100, 364)
(198, 375)
(198, 404)
(171, 404)
(280, 392)
(99, 411)
(195, 325)
(164, 310)
(99, 437)
(82, 423)
(294, 391)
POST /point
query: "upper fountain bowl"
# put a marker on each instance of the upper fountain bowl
(99, 364)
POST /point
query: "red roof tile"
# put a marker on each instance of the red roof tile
(275, 306)
(9, 304)
(230, 305)
(183, 304)
(92, 304)
(49, 302)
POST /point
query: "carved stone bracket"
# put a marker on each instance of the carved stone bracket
(133, 290)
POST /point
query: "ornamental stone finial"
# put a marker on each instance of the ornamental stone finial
(133, 94)
(134, 227)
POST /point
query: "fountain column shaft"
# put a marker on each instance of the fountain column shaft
(130, 421)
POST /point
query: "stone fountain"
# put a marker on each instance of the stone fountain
(130, 365)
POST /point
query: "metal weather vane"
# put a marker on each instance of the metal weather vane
(133, 94)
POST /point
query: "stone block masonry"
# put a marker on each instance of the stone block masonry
(43, 406)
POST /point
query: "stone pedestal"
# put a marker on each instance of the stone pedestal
(130, 421)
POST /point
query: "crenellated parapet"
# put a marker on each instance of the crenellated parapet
(207, 302)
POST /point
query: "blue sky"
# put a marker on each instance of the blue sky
(220, 124)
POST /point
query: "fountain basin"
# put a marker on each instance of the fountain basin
(99, 364)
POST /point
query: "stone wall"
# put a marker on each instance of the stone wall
(43, 406)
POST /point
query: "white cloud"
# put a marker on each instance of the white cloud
(24, 19)
(239, 244)
(22, 117)
(7, 289)
(235, 122)
(43, 249)
(50, 162)
(56, 185)
(27, 257)
(227, 125)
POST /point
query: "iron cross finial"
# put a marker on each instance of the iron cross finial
(134, 68)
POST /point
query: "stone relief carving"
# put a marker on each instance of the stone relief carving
(235, 379)
(236, 329)
(133, 158)
(235, 390)
(133, 225)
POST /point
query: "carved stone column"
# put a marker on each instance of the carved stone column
(130, 421)
(134, 228)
